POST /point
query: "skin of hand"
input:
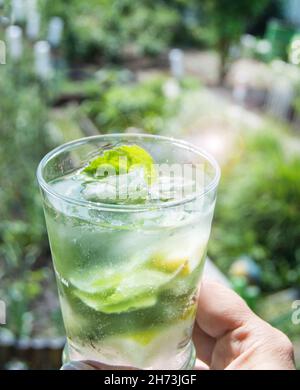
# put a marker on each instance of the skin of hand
(227, 336)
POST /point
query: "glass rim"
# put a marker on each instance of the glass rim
(212, 185)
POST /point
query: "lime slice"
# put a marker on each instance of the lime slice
(95, 284)
(98, 302)
(170, 265)
(145, 337)
(135, 290)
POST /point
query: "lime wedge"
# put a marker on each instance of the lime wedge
(94, 284)
(170, 265)
(109, 304)
(135, 290)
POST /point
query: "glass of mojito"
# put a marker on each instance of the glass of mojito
(128, 218)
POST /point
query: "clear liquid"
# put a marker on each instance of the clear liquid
(128, 283)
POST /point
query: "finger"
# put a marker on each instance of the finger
(242, 339)
(204, 345)
(199, 365)
(266, 348)
(220, 310)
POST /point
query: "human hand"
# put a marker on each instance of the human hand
(228, 335)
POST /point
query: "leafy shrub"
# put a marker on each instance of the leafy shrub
(102, 27)
(141, 105)
(23, 242)
(22, 120)
(258, 212)
(19, 294)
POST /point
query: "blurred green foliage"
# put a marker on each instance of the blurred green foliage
(106, 28)
(19, 294)
(23, 116)
(142, 105)
(258, 211)
(248, 292)
(225, 21)
(22, 119)
(110, 29)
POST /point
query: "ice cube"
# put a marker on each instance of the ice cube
(171, 188)
(130, 188)
(101, 191)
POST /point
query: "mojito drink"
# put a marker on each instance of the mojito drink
(128, 251)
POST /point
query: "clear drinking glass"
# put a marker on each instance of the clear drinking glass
(128, 275)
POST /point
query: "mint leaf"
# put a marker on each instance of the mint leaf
(121, 160)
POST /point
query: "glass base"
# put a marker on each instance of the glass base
(189, 365)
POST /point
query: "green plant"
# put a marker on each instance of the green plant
(22, 120)
(141, 105)
(296, 102)
(105, 28)
(146, 23)
(23, 117)
(18, 295)
(258, 211)
(224, 21)
(250, 293)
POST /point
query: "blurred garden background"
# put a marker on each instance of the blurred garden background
(222, 74)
